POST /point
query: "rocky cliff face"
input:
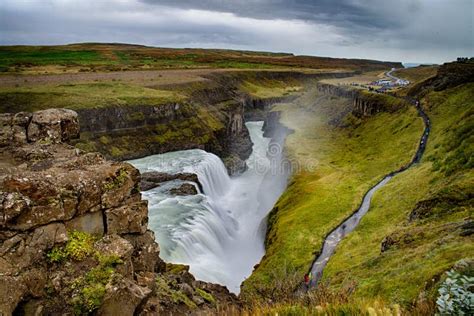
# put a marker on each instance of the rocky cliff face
(364, 103)
(211, 118)
(133, 132)
(257, 109)
(73, 231)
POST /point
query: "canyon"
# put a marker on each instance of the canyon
(97, 201)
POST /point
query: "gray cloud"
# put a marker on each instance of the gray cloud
(418, 30)
(345, 12)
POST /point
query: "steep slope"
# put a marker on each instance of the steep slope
(420, 223)
(336, 154)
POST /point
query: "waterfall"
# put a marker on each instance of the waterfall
(212, 174)
(218, 232)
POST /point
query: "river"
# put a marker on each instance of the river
(220, 232)
(334, 238)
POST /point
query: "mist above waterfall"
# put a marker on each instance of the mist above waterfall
(219, 233)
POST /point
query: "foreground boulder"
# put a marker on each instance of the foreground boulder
(73, 231)
(55, 125)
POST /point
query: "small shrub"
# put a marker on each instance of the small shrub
(104, 140)
(79, 246)
(179, 297)
(90, 298)
(456, 295)
(109, 261)
(89, 290)
(115, 151)
(56, 255)
(88, 146)
(164, 289)
(175, 268)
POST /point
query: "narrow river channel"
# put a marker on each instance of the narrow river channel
(332, 240)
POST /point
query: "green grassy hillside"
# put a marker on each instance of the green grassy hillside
(423, 217)
(421, 212)
(335, 166)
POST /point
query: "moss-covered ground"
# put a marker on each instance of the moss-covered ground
(85, 290)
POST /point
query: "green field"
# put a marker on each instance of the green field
(95, 57)
(79, 96)
(12, 57)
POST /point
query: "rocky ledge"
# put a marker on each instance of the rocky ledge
(73, 231)
(153, 179)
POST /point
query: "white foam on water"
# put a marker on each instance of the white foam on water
(219, 232)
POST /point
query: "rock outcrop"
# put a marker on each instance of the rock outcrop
(364, 104)
(53, 125)
(184, 189)
(256, 109)
(152, 179)
(13, 128)
(73, 231)
(122, 133)
(453, 74)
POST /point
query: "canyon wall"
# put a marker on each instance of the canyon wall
(212, 118)
(73, 231)
(364, 103)
(133, 132)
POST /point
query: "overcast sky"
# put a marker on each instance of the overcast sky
(431, 31)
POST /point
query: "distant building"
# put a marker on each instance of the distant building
(402, 82)
(383, 82)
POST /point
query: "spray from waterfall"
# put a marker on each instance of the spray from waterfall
(218, 233)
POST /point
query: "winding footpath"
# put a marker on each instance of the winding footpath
(334, 237)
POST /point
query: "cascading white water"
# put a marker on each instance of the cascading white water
(217, 233)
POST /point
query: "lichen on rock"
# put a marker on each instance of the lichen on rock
(73, 230)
